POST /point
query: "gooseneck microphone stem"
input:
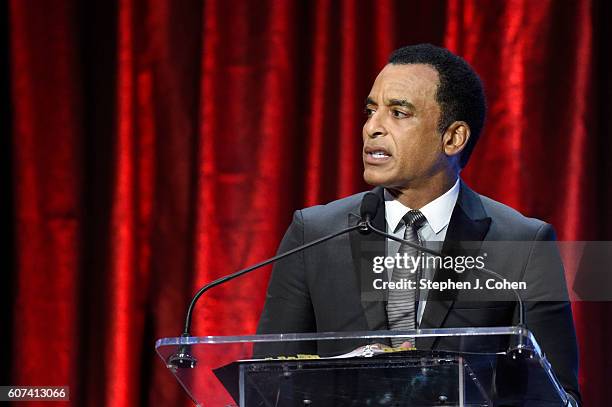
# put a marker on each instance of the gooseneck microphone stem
(186, 332)
(499, 277)
(369, 208)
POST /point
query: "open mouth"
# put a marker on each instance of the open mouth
(379, 154)
(374, 154)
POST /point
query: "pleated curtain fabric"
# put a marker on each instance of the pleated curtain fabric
(154, 146)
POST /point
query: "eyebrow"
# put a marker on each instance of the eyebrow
(392, 102)
(401, 102)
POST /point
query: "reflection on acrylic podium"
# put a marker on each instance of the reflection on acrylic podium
(469, 367)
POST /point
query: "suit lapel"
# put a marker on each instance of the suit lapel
(468, 225)
(364, 246)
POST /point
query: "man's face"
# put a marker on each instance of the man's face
(402, 147)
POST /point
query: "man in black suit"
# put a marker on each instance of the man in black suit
(425, 112)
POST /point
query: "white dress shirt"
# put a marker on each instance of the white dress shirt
(437, 212)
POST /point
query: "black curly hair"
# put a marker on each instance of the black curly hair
(460, 92)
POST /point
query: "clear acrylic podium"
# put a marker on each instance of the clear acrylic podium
(500, 366)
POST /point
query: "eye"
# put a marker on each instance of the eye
(369, 112)
(398, 114)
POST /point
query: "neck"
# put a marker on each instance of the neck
(418, 195)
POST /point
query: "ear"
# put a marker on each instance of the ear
(455, 138)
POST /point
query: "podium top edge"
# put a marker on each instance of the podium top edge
(323, 336)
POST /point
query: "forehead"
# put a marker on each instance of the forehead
(411, 81)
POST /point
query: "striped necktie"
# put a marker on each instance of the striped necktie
(402, 303)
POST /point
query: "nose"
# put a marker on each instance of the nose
(373, 127)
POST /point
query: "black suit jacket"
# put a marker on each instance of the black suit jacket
(327, 288)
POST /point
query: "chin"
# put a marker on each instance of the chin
(375, 179)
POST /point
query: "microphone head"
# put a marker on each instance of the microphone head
(369, 206)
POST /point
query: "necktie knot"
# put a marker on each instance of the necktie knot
(414, 218)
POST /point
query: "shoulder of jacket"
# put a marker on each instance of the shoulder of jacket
(334, 209)
(508, 217)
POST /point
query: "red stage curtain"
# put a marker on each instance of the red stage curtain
(157, 145)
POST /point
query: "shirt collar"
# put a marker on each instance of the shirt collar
(437, 212)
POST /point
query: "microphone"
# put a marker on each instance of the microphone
(183, 359)
(369, 207)
(371, 200)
